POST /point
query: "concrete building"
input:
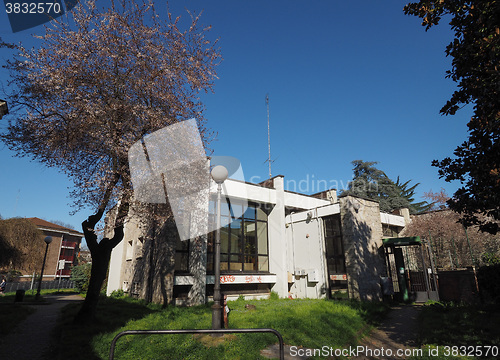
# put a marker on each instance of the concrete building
(297, 245)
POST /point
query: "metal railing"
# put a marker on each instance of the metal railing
(27, 285)
(198, 331)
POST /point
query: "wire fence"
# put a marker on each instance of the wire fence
(28, 285)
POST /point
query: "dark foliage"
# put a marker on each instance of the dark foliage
(372, 183)
(488, 278)
(81, 276)
(476, 68)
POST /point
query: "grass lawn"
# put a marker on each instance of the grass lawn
(308, 323)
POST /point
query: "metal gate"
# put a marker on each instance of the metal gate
(411, 268)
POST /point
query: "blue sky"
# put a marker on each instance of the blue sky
(346, 80)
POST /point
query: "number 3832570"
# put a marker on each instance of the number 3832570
(33, 8)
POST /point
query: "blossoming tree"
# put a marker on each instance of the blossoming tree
(99, 81)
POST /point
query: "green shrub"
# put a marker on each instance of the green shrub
(14, 275)
(81, 275)
(491, 258)
(274, 296)
(117, 294)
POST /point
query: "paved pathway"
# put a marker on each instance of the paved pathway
(31, 339)
(398, 331)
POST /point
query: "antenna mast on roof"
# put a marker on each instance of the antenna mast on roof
(268, 135)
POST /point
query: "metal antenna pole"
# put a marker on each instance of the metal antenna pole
(268, 135)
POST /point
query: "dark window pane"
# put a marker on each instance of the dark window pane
(181, 262)
(210, 242)
(250, 238)
(236, 236)
(249, 213)
(338, 245)
(210, 263)
(223, 262)
(182, 245)
(224, 234)
(250, 243)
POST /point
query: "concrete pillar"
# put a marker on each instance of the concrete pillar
(198, 269)
(277, 240)
(405, 213)
(362, 240)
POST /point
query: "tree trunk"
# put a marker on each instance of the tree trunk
(100, 262)
(101, 254)
(161, 257)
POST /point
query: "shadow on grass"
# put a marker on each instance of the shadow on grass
(459, 324)
(113, 313)
(308, 323)
(371, 312)
(12, 315)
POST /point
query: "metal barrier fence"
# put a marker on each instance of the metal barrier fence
(28, 285)
(199, 331)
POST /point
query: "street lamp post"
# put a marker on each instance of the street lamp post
(48, 240)
(219, 174)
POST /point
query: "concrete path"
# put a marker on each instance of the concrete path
(398, 331)
(31, 339)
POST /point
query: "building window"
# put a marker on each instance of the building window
(390, 231)
(182, 256)
(139, 247)
(334, 250)
(130, 250)
(244, 245)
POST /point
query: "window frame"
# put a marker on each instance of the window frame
(238, 261)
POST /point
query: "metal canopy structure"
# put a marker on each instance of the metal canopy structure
(411, 268)
(402, 241)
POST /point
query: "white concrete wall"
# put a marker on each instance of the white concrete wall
(307, 258)
(240, 190)
(118, 269)
(302, 201)
(391, 219)
(115, 267)
(307, 254)
(277, 240)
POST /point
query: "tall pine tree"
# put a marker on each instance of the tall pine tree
(372, 183)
